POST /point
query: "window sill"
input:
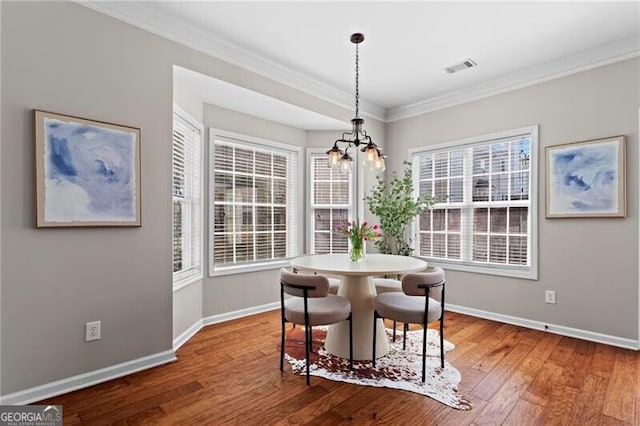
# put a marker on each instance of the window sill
(489, 270)
(242, 269)
(186, 282)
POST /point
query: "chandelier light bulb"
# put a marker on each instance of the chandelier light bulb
(371, 154)
(345, 163)
(379, 165)
(334, 154)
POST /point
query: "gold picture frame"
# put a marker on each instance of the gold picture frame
(87, 172)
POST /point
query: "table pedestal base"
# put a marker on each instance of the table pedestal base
(361, 291)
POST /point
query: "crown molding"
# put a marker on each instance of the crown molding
(146, 16)
(608, 54)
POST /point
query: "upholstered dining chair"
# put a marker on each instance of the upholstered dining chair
(388, 285)
(334, 282)
(421, 302)
(311, 304)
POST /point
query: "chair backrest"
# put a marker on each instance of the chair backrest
(294, 284)
(432, 276)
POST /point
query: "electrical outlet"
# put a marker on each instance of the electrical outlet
(550, 296)
(92, 331)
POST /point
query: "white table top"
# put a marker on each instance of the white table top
(373, 264)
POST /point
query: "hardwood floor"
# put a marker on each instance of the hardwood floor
(228, 374)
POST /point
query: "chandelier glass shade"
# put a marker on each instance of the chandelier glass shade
(373, 158)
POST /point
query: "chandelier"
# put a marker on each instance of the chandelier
(373, 158)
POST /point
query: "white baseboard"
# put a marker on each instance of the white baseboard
(84, 380)
(91, 378)
(227, 316)
(94, 377)
(187, 334)
(552, 328)
(215, 319)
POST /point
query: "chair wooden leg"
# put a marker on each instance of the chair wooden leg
(424, 350)
(394, 330)
(375, 323)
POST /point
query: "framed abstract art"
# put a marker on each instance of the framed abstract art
(586, 179)
(87, 172)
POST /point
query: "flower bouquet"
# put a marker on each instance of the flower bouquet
(358, 234)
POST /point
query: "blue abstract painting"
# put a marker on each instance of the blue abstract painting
(89, 173)
(586, 179)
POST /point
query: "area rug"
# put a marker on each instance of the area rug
(399, 369)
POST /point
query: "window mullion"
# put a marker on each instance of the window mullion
(272, 211)
(467, 209)
(254, 210)
(234, 209)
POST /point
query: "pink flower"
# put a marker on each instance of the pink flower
(357, 231)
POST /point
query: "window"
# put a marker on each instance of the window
(187, 187)
(485, 217)
(330, 200)
(255, 202)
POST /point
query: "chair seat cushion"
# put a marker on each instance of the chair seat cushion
(387, 285)
(403, 308)
(322, 310)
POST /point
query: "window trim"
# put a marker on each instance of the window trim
(506, 270)
(188, 279)
(296, 151)
(308, 207)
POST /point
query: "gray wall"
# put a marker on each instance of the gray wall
(187, 307)
(592, 264)
(63, 57)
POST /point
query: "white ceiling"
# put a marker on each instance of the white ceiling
(406, 47)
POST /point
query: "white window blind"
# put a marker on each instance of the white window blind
(187, 187)
(331, 196)
(484, 216)
(255, 202)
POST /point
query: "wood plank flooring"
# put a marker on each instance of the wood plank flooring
(228, 374)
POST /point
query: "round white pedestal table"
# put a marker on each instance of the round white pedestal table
(358, 287)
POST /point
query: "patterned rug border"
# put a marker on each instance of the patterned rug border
(399, 369)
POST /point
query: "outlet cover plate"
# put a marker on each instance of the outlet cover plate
(550, 296)
(92, 331)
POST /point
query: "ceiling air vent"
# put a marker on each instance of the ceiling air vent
(467, 63)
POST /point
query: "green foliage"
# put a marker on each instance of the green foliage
(396, 206)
